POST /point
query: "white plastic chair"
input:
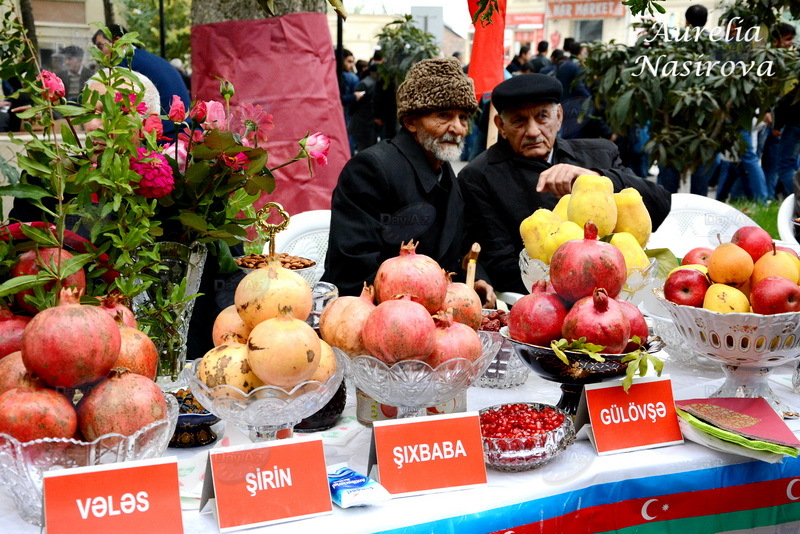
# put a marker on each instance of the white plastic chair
(695, 221)
(306, 236)
(785, 218)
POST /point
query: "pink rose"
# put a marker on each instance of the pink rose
(215, 116)
(317, 146)
(53, 86)
(153, 124)
(198, 112)
(156, 174)
(177, 111)
(179, 155)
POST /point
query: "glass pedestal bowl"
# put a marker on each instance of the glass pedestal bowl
(747, 345)
(22, 465)
(267, 410)
(534, 270)
(582, 369)
(413, 385)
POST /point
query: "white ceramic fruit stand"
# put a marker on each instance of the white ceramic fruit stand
(681, 488)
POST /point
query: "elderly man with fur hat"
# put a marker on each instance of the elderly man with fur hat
(404, 188)
(530, 167)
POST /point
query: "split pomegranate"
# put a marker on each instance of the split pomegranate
(112, 305)
(137, 352)
(637, 323)
(537, 318)
(342, 321)
(34, 261)
(519, 420)
(29, 414)
(11, 328)
(579, 266)
(453, 340)
(399, 329)
(416, 275)
(263, 292)
(121, 404)
(14, 374)
(283, 351)
(600, 320)
(71, 345)
(229, 327)
(465, 303)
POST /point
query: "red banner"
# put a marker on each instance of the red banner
(486, 61)
(287, 65)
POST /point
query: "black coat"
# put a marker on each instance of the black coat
(499, 190)
(388, 194)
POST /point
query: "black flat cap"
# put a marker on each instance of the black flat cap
(526, 89)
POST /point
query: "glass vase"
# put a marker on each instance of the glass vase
(182, 262)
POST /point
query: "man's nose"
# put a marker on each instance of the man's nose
(533, 129)
(457, 126)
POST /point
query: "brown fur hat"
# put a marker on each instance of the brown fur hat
(433, 85)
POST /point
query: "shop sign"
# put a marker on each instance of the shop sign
(591, 9)
(123, 498)
(266, 483)
(642, 418)
(528, 19)
(425, 454)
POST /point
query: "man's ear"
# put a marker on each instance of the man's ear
(498, 122)
(410, 124)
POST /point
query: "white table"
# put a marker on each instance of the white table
(578, 483)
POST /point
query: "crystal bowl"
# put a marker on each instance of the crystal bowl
(534, 270)
(323, 294)
(266, 410)
(412, 385)
(22, 465)
(506, 370)
(529, 452)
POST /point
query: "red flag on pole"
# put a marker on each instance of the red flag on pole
(486, 62)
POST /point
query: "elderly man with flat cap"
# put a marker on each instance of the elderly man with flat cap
(404, 188)
(529, 168)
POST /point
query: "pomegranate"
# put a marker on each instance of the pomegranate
(283, 351)
(112, 305)
(228, 365)
(71, 345)
(465, 303)
(229, 327)
(122, 404)
(263, 292)
(537, 318)
(137, 351)
(579, 266)
(638, 325)
(11, 328)
(33, 261)
(542, 286)
(14, 374)
(412, 274)
(399, 329)
(29, 414)
(600, 320)
(342, 321)
(453, 340)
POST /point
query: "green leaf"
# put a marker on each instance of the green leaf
(70, 110)
(193, 221)
(666, 260)
(41, 236)
(24, 191)
(19, 283)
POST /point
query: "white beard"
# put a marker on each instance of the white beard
(442, 147)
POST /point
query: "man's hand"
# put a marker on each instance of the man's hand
(486, 293)
(558, 179)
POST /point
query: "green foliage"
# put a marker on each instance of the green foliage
(764, 214)
(141, 16)
(402, 44)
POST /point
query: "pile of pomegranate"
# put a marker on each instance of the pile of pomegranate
(413, 312)
(586, 275)
(263, 339)
(77, 351)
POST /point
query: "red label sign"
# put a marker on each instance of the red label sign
(642, 418)
(123, 498)
(269, 482)
(592, 9)
(423, 454)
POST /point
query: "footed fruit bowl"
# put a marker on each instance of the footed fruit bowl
(22, 465)
(267, 410)
(534, 270)
(582, 369)
(748, 345)
(412, 385)
(522, 436)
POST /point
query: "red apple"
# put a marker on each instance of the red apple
(789, 250)
(687, 287)
(754, 240)
(697, 256)
(775, 294)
